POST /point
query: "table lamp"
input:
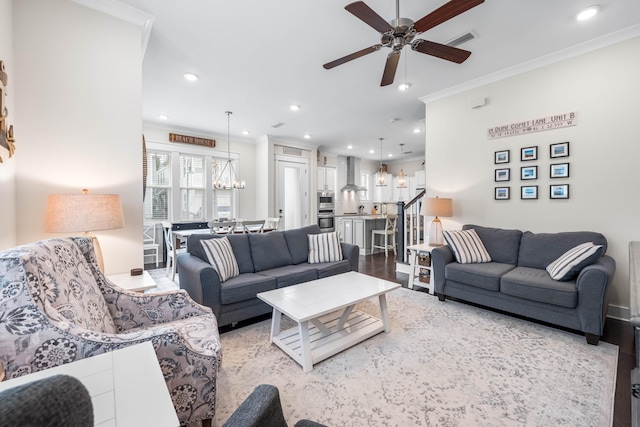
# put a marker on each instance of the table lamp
(436, 207)
(70, 213)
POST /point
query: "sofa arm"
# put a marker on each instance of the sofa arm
(200, 280)
(352, 253)
(440, 257)
(594, 284)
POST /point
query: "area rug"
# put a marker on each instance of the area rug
(442, 364)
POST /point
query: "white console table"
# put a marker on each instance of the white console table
(126, 387)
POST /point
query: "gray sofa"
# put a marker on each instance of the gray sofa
(516, 281)
(266, 261)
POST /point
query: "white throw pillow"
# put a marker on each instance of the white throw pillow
(221, 257)
(466, 246)
(324, 247)
(569, 264)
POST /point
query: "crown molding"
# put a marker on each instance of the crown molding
(126, 13)
(561, 55)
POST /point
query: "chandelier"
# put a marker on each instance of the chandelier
(219, 183)
(402, 179)
(382, 171)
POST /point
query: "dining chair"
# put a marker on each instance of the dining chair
(222, 227)
(272, 223)
(390, 229)
(172, 252)
(253, 226)
(150, 247)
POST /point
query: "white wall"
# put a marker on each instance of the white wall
(8, 167)
(78, 118)
(603, 87)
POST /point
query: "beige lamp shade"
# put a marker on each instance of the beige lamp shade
(67, 213)
(437, 207)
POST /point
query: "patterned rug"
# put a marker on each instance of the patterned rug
(443, 364)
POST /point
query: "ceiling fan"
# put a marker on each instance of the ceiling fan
(398, 33)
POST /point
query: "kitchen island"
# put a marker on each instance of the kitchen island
(356, 229)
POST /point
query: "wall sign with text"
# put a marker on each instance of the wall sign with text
(556, 121)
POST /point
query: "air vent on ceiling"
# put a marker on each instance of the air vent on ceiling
(277, 124)
(292, 151)
(457, 41)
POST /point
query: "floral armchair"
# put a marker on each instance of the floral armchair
(56, 306)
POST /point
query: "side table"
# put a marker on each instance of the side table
(133, 283)
(421, 271)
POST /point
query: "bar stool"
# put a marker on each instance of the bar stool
(391, 226)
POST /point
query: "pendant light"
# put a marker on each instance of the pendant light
(382, 171)
(402, 179)
(219, 182)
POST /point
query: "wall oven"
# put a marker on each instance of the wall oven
(326, 200)
(326, 218)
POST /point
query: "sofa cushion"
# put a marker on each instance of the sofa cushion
(292, 274)
(502, 244)
(466, 246)
(485, 275)
(324, 247)
(537, 250)
(536, 285)
(327, 269)
(245, 287)
(239, 243)
(298, 243)
(570, 263)
(269, 250)
(220, 256)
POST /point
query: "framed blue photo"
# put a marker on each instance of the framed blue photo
(529, 153)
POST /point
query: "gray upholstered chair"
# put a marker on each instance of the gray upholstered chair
(262, 408)
(59, 400)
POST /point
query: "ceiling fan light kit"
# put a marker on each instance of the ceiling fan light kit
(400, 32)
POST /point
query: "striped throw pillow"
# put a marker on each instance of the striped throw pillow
(221, 257)
(324, 247)
(569, 264)
(466, 246)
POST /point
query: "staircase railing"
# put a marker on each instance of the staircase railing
(410, 225)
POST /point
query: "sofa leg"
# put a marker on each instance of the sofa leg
(441, 297)
(592, 339)
(206, 422)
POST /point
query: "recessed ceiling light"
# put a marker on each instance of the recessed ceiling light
(307, 136)
(587, 13)
(372, 151)
(294, 107)
(416, 130)
(245, 132)
(349, 147)
(404, 86)
(191, 77)
(390, 155)
(163, 117)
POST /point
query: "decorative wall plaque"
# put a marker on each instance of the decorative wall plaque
(556, 121)
(185, 139)
(6, 133)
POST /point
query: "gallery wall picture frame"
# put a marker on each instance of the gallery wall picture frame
(528, 172)
(560, 191)
(560, 149)
(502, 175)
(529, 192)
(529, 153)
(501, 157)
(502, 193)
(559, 170)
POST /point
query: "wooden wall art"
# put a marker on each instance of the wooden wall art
(6, 134)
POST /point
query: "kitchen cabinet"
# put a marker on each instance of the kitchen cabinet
(356, 230)
(326, 178)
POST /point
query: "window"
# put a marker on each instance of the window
(158, 195)
(192, 196)
(364, 183)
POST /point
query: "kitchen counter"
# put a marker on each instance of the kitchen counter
(362, 216)
(356, 229)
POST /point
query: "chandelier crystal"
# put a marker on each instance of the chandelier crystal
(219, 183)
(382, 171)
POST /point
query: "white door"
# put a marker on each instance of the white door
(292, 192)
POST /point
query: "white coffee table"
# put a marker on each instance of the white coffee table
(328, 305)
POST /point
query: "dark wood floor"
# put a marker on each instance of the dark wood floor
(615, 332)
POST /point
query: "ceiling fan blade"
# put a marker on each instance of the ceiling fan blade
(390, 68)
(443, 51)
(352, 56)
(444, 13)
(369, 16)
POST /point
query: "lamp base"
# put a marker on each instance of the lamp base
(435, 233)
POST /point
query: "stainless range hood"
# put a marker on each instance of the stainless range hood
(351, 176)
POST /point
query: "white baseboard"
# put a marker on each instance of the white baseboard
(619, 312)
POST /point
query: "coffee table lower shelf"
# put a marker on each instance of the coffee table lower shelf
(325, 340)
